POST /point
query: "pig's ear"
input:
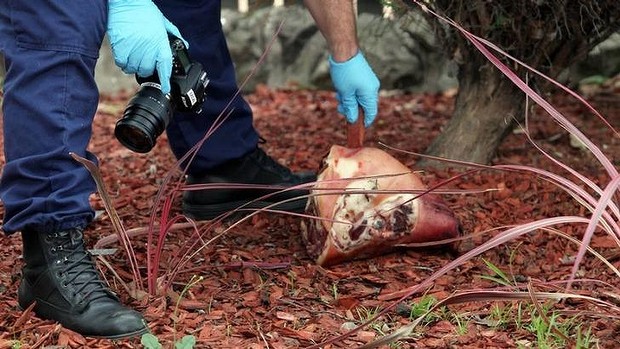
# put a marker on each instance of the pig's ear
(324, 163)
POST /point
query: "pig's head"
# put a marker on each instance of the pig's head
(367, 202)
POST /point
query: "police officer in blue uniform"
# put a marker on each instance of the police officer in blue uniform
(50, 99)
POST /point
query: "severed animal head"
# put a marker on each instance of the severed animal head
(366, 203)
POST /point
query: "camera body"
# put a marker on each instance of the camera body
(149, 111)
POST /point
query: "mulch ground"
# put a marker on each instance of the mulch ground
(259, 288)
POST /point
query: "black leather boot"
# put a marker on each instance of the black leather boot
(254, 168)
(61, 277)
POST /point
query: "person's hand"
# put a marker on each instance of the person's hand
(356, 85)
(138, 34)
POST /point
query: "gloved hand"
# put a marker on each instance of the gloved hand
(355, 83)
(138, 34)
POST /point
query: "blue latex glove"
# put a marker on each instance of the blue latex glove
(356, 84)
(138, 34)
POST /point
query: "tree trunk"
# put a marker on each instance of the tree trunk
(486, 110)
(549, 35)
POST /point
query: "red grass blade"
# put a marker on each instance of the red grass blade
(116, 220)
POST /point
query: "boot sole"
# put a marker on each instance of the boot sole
(212, 211)
(126, 335)
(123, 336)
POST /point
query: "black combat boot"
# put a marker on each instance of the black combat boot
(254, 168)
(61, 277)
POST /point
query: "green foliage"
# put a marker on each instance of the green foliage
(335, 292)
(552, 333)
(187, 342)
(519, 316)
(500, 316)
(422, 307)
(192, 282)
(584, 339)
(549, 328)
(150, 341)
(461, 323)
(380, 326)
(365, 314)
(500, 277)
(594, 80)
(545, 336)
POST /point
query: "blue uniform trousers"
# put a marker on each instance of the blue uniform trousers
(50, 99)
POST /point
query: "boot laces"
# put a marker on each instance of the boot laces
(77, 265)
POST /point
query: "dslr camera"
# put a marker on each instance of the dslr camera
(149, 111)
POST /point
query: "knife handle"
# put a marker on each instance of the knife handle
(355, 133)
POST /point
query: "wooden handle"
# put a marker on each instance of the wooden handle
(355, 133)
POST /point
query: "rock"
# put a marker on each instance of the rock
(402, 52)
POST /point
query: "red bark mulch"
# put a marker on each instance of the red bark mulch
(260, 289)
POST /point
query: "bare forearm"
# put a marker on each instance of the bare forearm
(336, 21)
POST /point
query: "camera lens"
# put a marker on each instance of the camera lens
(145, 118)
